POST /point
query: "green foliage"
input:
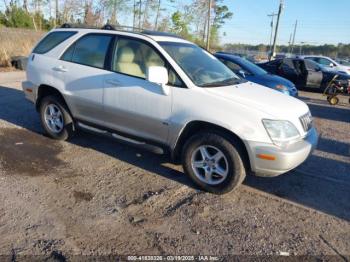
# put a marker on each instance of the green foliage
(16, 17)
(179, 25)
(222, 14)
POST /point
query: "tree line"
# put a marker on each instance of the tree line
(187, 20)
(336, 51)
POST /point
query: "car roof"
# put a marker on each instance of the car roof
(227, 55)
(125, 30)
(318, 56)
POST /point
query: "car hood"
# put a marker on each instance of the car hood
(270, 80)
(263, 99)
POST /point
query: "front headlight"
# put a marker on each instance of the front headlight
(281, 132)
(282, 89)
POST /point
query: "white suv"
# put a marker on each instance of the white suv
(157, 88)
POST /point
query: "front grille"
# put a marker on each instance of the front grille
(306, 121)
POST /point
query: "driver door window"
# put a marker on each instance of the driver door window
(132, 57)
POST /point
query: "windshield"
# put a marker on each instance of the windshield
(201, 67)
(251, 67)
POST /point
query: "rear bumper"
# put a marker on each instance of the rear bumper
(30, 91)
(285, 158)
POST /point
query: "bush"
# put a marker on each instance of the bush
(16, 17)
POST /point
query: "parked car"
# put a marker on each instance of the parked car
(343, 62)
(304, 73)
(329, 64)
(256, 74)
(160, 89)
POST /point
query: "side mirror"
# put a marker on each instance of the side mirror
(331, 65)
(159, 75)
(241, 73)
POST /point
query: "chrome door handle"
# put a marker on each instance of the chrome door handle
(60, 69)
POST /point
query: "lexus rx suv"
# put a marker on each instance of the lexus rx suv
(159, 89)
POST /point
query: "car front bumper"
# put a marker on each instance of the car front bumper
(286, 158)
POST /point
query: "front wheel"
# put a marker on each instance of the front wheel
(214, 162)
(55, 118)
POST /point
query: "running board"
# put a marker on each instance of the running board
(93, 129)
(152, 148)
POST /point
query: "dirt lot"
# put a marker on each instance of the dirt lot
(97, 196)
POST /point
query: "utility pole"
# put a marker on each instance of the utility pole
(290, 43)
(271, 35)
(208, 26)
(295, 31)
(276, 30)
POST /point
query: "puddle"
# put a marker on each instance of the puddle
(82, 196)
(27, 153)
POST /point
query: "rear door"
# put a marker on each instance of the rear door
(83, 67)
(287, 70)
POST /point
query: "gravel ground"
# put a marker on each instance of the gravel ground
(98, 196)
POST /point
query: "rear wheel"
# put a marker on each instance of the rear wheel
(55, 118)
(214, 162)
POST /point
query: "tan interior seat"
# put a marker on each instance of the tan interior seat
(154, 60)
(125, 62)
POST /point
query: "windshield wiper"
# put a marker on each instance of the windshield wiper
(229, 81)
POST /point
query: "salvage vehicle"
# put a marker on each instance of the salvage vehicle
(157, 88)
(256, 74)
(304, 73)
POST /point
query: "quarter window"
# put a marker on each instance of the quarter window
(52, 40)
(89, 50)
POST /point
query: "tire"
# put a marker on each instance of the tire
(233, 160)
(66, 129)
(333, 100)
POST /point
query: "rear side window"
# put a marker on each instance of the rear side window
(89, 50)
(51, 40)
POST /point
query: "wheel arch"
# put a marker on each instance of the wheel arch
(46, 90)
(194, 127)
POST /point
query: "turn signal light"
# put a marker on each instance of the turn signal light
(266, 157)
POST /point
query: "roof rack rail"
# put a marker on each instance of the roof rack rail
(158, 33)
(105, 27)
(120, 28)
